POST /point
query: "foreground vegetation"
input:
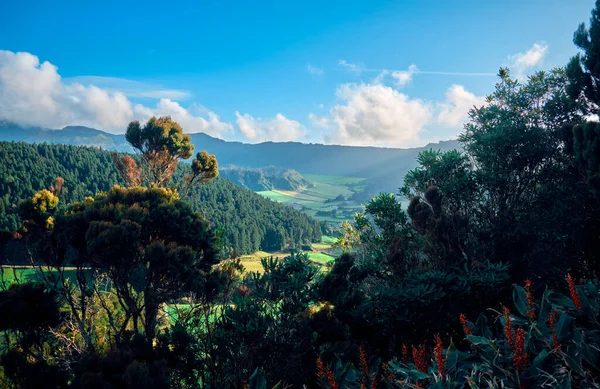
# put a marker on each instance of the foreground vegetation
(488, 278)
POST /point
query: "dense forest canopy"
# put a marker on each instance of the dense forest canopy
(246, 219)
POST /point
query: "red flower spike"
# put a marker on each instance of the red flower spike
(520, 357)
(439, 356)
(420, 359)
(363, 364)
(508, 327)
(405, 353)
(573, 292)
(465, 324)
(320, 368)
(551, 322)
(530, 306)
(331, 379)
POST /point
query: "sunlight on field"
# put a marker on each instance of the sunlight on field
(319, 200)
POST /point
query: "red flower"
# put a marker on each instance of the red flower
(439, 356)
(363, 364)
(465, 324)
(573, 291)
(520, 357)
(404, 353)
(530, 307)
(551, 321)
(420, 359)
(331, 379)
(508, 327)
(320, 368)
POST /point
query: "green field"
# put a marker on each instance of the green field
(326, 188)
(320, 257)
(22, 274)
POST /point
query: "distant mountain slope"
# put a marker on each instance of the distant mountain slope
(261, 179)
(383, 167)
(71, 135)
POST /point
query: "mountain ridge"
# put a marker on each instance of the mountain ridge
(384, 168)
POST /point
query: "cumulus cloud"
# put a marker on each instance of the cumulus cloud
(403, 77)
(376, 114)
(521, 63)
(34, 93)
(314, 70)
(454, 111)
(351, 67)
(277, 129)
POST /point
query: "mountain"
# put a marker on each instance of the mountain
(70, 135)
(384, 168)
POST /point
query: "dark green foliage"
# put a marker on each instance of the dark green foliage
(243, 216)
(26, 308)
(583, 69)
(499, 199)
(27, 312)
(144, 238)
(264, 326)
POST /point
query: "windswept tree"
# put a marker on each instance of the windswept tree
(204, 168)
(162, 144)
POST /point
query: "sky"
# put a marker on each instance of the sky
(382, 73)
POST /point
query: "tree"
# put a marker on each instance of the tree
(153, 247)
(162, 144)
(204, 168)
(583, 69)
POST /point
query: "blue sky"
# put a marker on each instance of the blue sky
(341, 72)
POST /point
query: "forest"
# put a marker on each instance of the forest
(487, 279)
(247, 221)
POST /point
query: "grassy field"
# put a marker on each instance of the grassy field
(326, 188)
(21, 274)
(322, 253)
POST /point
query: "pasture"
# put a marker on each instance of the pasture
(320, 201)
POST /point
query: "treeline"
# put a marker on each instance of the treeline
(249, 222)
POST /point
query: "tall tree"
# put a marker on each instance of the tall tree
(583, 69)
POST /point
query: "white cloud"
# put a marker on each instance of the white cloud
(318, 121)
(521, 63)
(375, 114)
(314, 70)
(208, 123)
(403, 77)
(34, 93)
(351, 67)
(130, 88)
(454, 111)
(277, 129)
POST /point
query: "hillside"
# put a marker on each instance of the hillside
(384, 168)
(263, 179)
(249, 222)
